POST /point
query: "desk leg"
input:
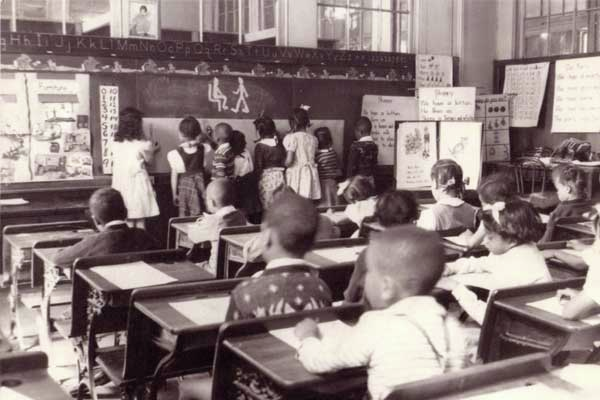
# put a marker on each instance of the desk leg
(14, 299)
(590, 184)
(51, 278)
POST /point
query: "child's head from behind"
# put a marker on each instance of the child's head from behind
(569, 182)
(509, 224)
(359, 188)
(130, 125)
(238, 142)
(299, 119)
(291, 225)
(401, 262)
(323, 135)
(396, 207)
(223, 133)
(362, 127)
(496, 187)
(106, 205)
(189, 129)
(219, 193)
(265, 127)
(447, 179)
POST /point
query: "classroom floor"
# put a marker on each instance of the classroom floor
(62, 357)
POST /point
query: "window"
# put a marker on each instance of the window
(555, 27)
(373, 25)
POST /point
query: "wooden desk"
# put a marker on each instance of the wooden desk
(181, 234)
(580, 228)
(234, 244)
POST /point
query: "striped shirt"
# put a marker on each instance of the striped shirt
(327, 164)
(410, 340)
(223, 162)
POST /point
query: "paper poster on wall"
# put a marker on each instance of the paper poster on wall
(433, 71)
(384, 111)
(416, 152)
(461, 142)
(526, 83)
(109, 123)
(577, 95)
(493, 111)
(166, 132)
(144, 19)
(447, 104)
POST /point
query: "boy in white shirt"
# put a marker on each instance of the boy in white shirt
(408, 335)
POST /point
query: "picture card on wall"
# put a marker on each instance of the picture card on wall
(384, 111)
(447, 104)
(461, 142)
(433, 71)
(526, 83)
(416, 152)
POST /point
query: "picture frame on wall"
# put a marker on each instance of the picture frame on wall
(144, 19)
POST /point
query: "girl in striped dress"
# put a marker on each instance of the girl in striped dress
(327, 165)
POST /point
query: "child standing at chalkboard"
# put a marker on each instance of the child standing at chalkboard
(131, 152)
(362, 157)
(187, 169)
(327, 165)
(223, 159)
(301, 147)
(269, 160)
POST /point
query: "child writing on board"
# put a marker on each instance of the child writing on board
(327, 165)
(301, 174)
(187, 169)
(407, 336)
(245, 178)
(450, 211)
(131, 152)
(223, 159)
(362, 157)
(512, 228)
(269, 160)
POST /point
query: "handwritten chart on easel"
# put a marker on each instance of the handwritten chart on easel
(527, 84)
(447, 104)
(384, 111)
(433, 71)
(416, 152)
(577, 95)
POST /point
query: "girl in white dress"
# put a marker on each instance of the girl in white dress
(131, 152)
(301, 174)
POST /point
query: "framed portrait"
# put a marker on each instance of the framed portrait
(144, 19)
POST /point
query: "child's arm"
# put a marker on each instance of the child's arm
(174, 176)
(289, 158)
(148, 150)
(426, 220)
(353, 348)
(470, 303)
(204, 230)
(467, 265)
(580, 306)
(290, 144)
(258, 161)
(549, 229)
(477, 238)
(352, 162)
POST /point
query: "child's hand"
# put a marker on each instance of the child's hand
(307, 328)
(448, 284)
(550, 253)
(176, 201)
(577, 244)
(565, 295)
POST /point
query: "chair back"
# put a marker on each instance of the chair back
(530, 169)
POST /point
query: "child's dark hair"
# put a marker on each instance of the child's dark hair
(107, 204)
(396, 207)
(299, 119)
(238, 142)
(517, 222)
(496, 187)
(323, 135)
(366, 122)
(190, 128)
(295, 220)
(360, 188)
(448, 175)
(265, 127)
(130, 125)
(571, 176)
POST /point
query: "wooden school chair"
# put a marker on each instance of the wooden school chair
(512, 326)
(573, 228)
(26, 374)
(248, 345)
(161, 342)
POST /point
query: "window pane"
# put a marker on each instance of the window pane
(44, 16)
(404, 34)
(560, 43)
(90, 17)
(332, 25)
(545, 7)
(535, 46)
(355, 30)
(533, 8)
(403, 5)
(556, 7)
(569, 5)
(268, 19)
(582, 4)
(6, 9)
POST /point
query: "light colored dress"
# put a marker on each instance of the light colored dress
(131, 178)
(302, 176)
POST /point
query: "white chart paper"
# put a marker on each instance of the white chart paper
(329, 330)
(416, 152)
(133, 275)
(526, 83)
(205, 311)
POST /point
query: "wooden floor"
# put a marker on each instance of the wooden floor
(61, 357)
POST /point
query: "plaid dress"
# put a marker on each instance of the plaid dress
(190, 186)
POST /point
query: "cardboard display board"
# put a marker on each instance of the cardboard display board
(461, 142)
(416, 152)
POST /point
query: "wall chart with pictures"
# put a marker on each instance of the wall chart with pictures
(416, 152)
(461, 142)
(44, 133)
(493, 111)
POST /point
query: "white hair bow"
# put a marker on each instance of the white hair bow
(450, 182)
(496, 208)
(305, 107)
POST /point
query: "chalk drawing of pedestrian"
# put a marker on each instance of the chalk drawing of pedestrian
(243, 93)
(216, 96)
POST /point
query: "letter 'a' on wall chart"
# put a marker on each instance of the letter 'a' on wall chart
(433, 71)
(577, 95)
(447, 104)
(461, 142)
(384, 111)
(416, 152)
(526, 83)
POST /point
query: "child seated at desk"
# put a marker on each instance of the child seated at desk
(570, 188)
(512, 229)
(408, 336)
(360, 195)
(108, 212)
(393, 208)
(450, 211)
(220, 196)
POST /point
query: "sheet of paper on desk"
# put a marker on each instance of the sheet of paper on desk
(545, 218)
(7, 393)
(553, 306)
(584, 376)
(460, 240)
(205, 311)
(340, 254)
(572, 252)
(480, 280)
(133, 275)
(537, 391)
(13, 202)
(336, 217)
(329, 331)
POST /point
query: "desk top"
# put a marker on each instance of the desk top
(36, 384)
(586, 228)
(239, 239)
(44, 207)
(25, 241)
(336, 217)
(182, 227)
(332, 256)
(47, 255)
(182, 271)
